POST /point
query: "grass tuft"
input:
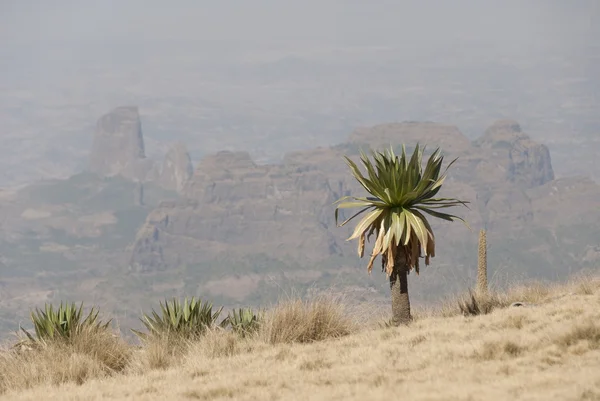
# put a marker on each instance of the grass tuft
(91, 354)
(589, 332)
(499, 350)
(158, 353)
(475, 304)
(298, 321)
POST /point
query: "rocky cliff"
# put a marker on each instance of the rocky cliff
(118, 145)
(176, 169)
(233, 206)
(528, 163)
(448, 137)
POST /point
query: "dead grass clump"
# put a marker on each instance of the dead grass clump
(499, 350)
(220, 343)
(589, 332)
(298, 321)
(416, 340)
(479, 304)
(50, 366)
(474, 303)
(91, 354)
(590, 395)
(162, 352)
(585, 283)
(552, 360)
(514, 322)
(533, 292)
(470, 304)
(158, 352)
(212, 393)
(284, 354)
(388, 332)
(505, 370)
(110, 350)
(315, 364)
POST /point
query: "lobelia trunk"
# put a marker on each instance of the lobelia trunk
(399, 288)
(482, 282)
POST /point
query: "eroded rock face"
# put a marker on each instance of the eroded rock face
(147, 254)
(118, 145)
(555, 195)
(502, 134)
(526, 162)
(233, 206)
(530, 164)
(447, 137)
(176, 169)
(508, 210)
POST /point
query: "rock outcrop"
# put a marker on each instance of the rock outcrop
(448, 137)
(176, 169)
(233, 206)
(118, 146)
(147, 253)
(526, 162)
(502, 134)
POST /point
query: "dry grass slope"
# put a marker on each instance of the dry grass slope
(547, 350)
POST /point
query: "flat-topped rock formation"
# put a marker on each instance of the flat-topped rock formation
(118, 145)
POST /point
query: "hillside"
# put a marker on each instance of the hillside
(546, 350)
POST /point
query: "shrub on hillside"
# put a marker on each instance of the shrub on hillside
(66, 346)
(306, 321)
(477, 303)
(188, 319)
(243, 322)
(64, 323)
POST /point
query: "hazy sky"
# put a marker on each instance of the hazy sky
(507, 22)
(62, 66)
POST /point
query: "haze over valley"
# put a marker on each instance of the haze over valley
(238, 77)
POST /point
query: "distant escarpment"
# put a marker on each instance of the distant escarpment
(234, 207)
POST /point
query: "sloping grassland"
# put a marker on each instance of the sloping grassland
(546, 350)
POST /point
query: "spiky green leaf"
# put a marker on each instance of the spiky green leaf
(401, 191)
